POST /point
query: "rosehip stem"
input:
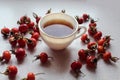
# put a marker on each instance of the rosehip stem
(93, 20)
(63, 11)
(78, 72)
(37, 57)
(51, 58)
(5, 35)
(1, 58)
(114, 59)
(98, 56)
(35, 15)
(49, 11)
(12, 51)
(24, 79)
(5, 73)
(94, 47)
(38, 74)
(87, 40)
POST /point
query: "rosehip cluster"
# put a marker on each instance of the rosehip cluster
(16, 36)
(84, 18)
(96, 49)
(18, 41)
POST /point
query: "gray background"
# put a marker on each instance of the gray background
(109, 16)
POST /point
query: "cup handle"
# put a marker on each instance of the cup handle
(79, 33)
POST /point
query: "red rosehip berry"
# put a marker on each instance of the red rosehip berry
(104, 43)
(86, 17)
(31, 76)
(11, 71)
(6, 56)
(31, 25)
(31, 43)
(76, 66)
(13, 41)
(101, 49)
(92, 24)
(24, 20)
(14, 31)
(19, 53)
(83, 54)
(35, 35)
(107, 39)
(85, 39)
(23, 28)
(92, 31)
(79, 20)
(92, 46)
(21, 42)
(91, 61)
(107, 57)
(43, 57)
(97, 35)
(5, 31)
(101, 42)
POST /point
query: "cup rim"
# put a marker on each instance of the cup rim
(41, 30)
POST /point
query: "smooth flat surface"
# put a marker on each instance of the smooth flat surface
(109, 23)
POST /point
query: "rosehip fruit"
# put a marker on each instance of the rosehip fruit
(92, 46)
(104, 43)
(107, 57)
(5, 31)
(85, 39)
(43, 57)
(14, 31)
(31, 25)
(107, 39)
(13, 41)
(11, 71)
(92, 24)
(76, 66)
(92, 31)
(23, 28)
(101, 42)
(24, 20)
(82, 54)
(30, 76)
(91, 61)
(79, 20)
(21, 42)
(86, 17)
(101, 49)
(6, 56)
(20, 53)
(98, 35)
(31, 43)
(35, 35)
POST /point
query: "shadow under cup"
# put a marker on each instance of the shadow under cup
(58, 24)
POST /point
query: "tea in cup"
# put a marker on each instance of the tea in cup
(58, 30)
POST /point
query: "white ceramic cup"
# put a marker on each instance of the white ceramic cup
(59, 43)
